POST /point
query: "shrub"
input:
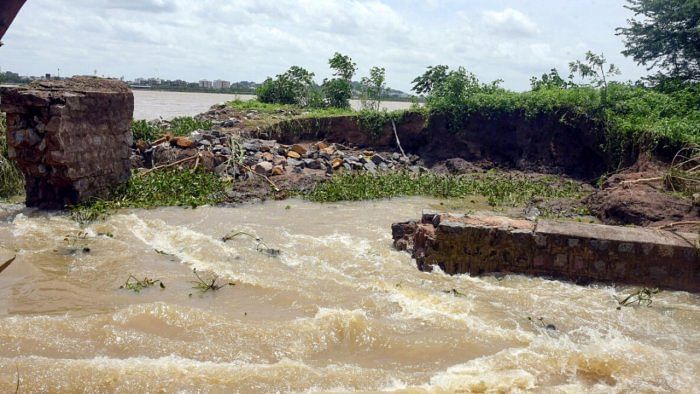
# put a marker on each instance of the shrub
(169, 187)
(11, 179)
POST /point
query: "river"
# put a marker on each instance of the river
(337, 310)
(152, 104)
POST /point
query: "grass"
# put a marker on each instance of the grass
(168, 187)
(499, 189)
(11, 179)
(180, 126)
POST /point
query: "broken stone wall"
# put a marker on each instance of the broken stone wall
(71, 138)
(577, 252)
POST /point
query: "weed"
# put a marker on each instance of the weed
(137, 285)
(641, 297)
(208, 285)
(145, 131)
(184, 125)
(11, 178)
(499, 189)
(168, 187)
(260, 245)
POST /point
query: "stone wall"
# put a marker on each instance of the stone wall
(572, 251)
(70, 138)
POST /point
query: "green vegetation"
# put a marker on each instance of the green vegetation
(644, 116)
(180, 126)
(210, 284)
(499, 189)
(167, 187)
(137, 285)
(11, 179)
(666, 37)
(372, 88)
(641, 297)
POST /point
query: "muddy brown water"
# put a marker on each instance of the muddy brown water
(338, 310)
(153, 104)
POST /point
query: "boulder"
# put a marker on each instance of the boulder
(264, 167)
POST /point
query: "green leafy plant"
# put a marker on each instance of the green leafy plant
(499, 189)
(11, 178)
(372, 88)
(184, 125)
(595, 68)
(145, 131)
(210, 284)
(136, 285)
(167, 187)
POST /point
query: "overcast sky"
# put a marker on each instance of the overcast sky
(251, 39)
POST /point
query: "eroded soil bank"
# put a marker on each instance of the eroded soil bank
(338, 310)
(280, 158)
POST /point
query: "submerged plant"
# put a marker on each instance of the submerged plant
(641, 297)
(208, 285)
(260, 245)
(136, 285)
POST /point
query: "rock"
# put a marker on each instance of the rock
(277, 170)
(205, 143)
(395, 156)
(368, 153)
(182, 142)
(336, 163)
(263, 167)
(225, 151)
(294, 162)
(327, 152)
(321, 145)
(230, 122)
(251, 146)
(313, 164)
(279, 160)
(377, 159)
(383, 167)
(220, 169)
(298, 149)
(370, 167)
(293, 155)
(137, 161)
(267, 156)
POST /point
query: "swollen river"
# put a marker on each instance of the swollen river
(337, 310)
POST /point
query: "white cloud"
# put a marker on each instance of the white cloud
(510, 22)
(251, 39)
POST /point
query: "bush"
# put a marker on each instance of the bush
(11, 178)
(499, 189)
(169, 187)
(337, 93)
(295, 86)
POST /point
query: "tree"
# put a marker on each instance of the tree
(373, 87)
(666, 37)
(295, 86)
(338, 91)
(594, 68)
(434, 76)
(549, 81)
(343, 66)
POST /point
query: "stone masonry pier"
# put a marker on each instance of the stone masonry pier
(577, 252)
(70, 138)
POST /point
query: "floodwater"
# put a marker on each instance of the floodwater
(337, 310)
(153, 104)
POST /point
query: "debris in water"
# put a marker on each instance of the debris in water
(260, 246)
(641, 297)
(205, 285)
(455, 293)
(137, 285)
(547, 326)
(7, 263)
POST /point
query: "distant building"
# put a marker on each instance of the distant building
(205, 84)
(219, 84)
